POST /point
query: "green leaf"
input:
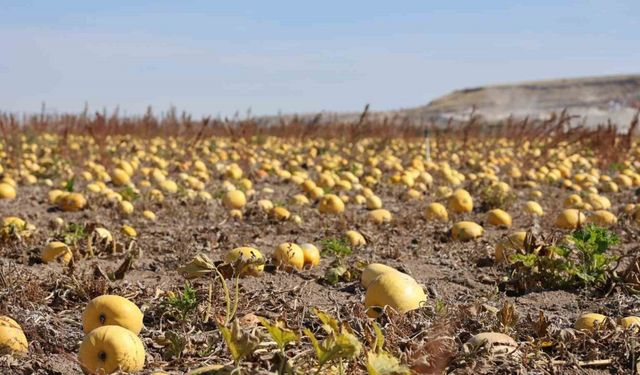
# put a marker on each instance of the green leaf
(68, 186)
(385, 364)
(279, 333)
(348, 343)
(379, 342)
(329, 323)
(340, 343)
(335, 246)
(73, 233)
(334, 274)
(528, 260)
(593, 238)
(185, 301)
(322, 353)
(585, 277)
(563, 251)
(129, 194)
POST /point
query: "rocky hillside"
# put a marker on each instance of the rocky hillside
(594, 100)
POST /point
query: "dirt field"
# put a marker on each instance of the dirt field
(467, 290)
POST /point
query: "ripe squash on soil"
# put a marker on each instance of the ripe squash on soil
(379, 216)
(466, 230)
(355, 239)
(108, 349)
(250, 261)
(311, 254)
(331, 204)
(436, 212)
(374, 202)
(109, 310)
(71, 202)
(630, 322)
(460, 201)
(392, 289)
(373, 270)
(533, 208)
(602, 218)
(7, 191)
(289, 256)
(234, 199)
(499, 218)
(56, 251)
(497, 344)
(12, 339)
(570, 218)
(589, 321)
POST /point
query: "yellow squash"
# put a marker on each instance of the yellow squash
(248, 260)
(391, 289)
(311, 254)
(460, 201)
(108, 349)
(436, 212)
(570, 218)
(234, 199)
(56, 251)
(107, 310)
(12, 339)
(589, 321)
(331, 204)
(466, 230)
(288, 256)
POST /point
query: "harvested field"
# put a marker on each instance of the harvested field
(71, 175)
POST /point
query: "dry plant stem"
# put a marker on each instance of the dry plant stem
(231, 308)
(594, 363)
(209, 302)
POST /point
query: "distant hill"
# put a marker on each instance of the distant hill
(594, 99)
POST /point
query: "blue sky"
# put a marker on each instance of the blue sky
(219, 57)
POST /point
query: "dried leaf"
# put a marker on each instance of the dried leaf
(348, 343)
(201, 265)
(212, 370)
(384, 363)
(175, 345)
(631, 275)
(98, 272)
(239, 342)
(250, 320)
(335, 274)
(124, 268)
(507, 315)
(540, 325)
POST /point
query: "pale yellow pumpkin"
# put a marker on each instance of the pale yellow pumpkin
(110, 348)
(109, 310)
(398, 292)
(289, 256)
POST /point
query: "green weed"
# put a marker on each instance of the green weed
(335, 246)
(184, 302)
(580, 260)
